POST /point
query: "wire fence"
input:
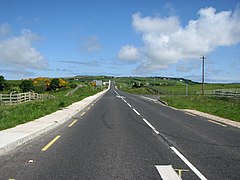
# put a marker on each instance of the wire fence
(12, 98)
(70, 93)
(228, 93)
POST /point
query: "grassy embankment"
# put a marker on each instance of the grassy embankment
(11, 116)
(174, 95)
(222, 107)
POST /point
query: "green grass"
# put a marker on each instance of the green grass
(172, 84)
(179, 89)
(141, 90)
(198, 87)
(10, 116)
(222, 107)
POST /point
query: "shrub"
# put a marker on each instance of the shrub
(26, 86)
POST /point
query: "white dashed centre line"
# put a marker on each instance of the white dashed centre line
(136, 112)
(129, 105)
(198, 173)
(151, 126)
(116, 92)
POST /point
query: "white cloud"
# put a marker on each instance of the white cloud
(128, 52)
(4, 29)
(86, 63)
(91, 44)
(183, 66)
(154, 25)
(18, 52)
(166, 42)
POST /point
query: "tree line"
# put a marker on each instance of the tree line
(38, 85)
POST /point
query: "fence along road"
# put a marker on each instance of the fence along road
(12, 98)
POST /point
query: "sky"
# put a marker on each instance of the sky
(65, 38)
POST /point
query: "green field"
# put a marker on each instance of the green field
(173, 91)
(222, 107)
(11, 116)
(169, 86)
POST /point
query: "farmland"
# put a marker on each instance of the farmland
(185, 94)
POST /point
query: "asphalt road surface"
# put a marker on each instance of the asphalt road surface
(124, 136)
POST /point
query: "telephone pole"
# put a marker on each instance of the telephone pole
(203, 58)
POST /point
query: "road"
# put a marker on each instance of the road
(124, 136)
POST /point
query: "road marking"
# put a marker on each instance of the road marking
(149, 124)
(217, 123)
(200, 175)
(129, 105)
(190, 114)
(92, 104)
(11, 179)
(121, 97)
(180, 171)
(51, 143)
(116, 92)
(83, 114)
(167, 172)
(149, 99)
(88, 108)
(136, 112)
(156, 131)
(70, 125)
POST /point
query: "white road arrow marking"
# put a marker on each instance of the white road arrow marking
(167, 172)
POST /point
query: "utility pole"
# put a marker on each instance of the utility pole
(203, 58)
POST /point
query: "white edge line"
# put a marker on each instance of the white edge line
(217, 123)
(200, 175)
(83, 113)
(190, 114)
(150, 99)
(129, 105)
(136, 112)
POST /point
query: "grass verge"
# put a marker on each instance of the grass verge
(222, 107)
(10, 116)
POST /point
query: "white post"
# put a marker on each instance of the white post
(186, 88)
(10, 100)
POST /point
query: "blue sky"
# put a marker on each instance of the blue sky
(63, 38)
